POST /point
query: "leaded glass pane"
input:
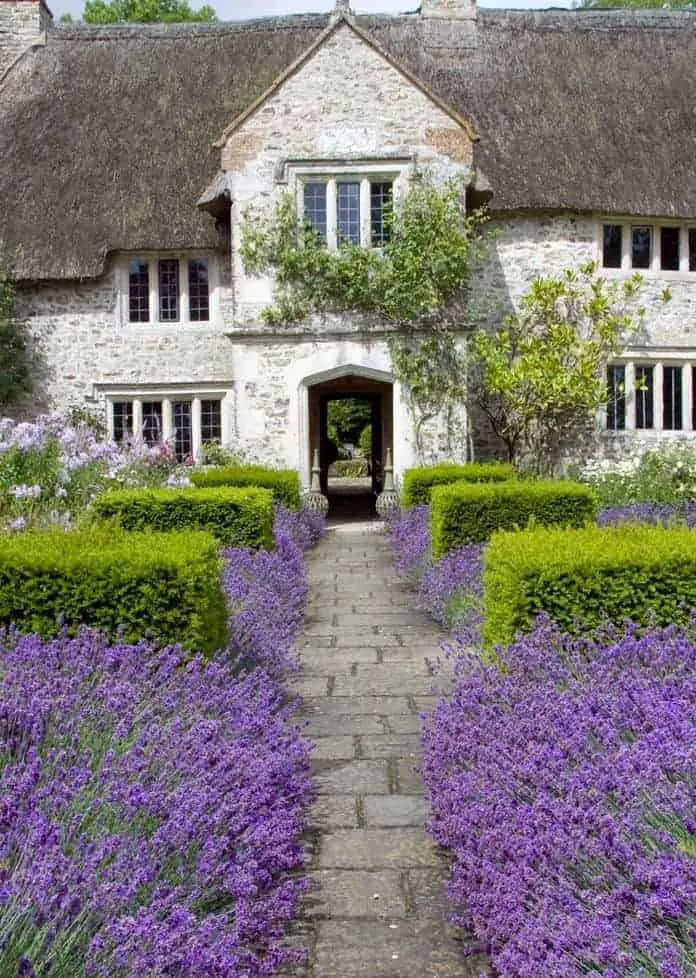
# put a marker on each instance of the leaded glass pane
(138, 291)
(315, 207)
(348, 216)
(381, 195)
(123, 419)
(672, 398)
(644, 396)
(211, 421)
(152, 422)
(199, 292)
(183, 433)
(669, 249)
(641, 246)
(169, 290)
(616, 397)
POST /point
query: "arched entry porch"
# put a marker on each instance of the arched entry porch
(376, 389)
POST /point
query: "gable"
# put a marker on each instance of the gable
(346, 100)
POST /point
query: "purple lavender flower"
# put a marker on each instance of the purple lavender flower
(563, 785)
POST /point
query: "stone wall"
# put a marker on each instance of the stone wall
(346, 103)
(23, 23)
(526, 248)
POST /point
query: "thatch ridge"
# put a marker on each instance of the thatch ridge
(106, 133)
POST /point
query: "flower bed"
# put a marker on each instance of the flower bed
(150, 808)
(564, 788)
(563, 783)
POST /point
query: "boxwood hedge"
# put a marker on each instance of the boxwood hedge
(417, 483)
(583, 577)
(464, 513)
(237, 517)
(164, 585)
(283, 483)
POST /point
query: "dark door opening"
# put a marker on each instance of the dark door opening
(351, 424)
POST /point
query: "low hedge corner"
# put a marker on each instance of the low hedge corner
(584, 577)
(418, 482)
(283, 483)
(464, 513)
(163, 586)
(237, 517)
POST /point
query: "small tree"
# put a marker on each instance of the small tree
(14, 359)
(540, 378)
(143, 11)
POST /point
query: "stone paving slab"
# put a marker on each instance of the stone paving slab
(393, 810)
(384, 949)
(378, 909)
(374, 848)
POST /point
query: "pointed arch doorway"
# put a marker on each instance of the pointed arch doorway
(350, 498)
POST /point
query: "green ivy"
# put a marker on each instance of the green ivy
(417, 284)
(15, 374)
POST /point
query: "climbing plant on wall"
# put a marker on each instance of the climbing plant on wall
(15, 372)
(416, 284)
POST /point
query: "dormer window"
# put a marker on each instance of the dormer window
(168, 290)
(351, 206)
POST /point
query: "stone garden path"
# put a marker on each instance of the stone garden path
(379, 909)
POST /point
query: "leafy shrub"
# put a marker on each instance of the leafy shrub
(464, 513)
(152, 813)
(418, 483)
(666, 474)
(563, 787)
(137, 584)
(350, 468)
(237, 517)
(365, 441)
(283, 483)
(582, 577)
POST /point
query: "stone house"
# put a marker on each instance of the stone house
(129, 154)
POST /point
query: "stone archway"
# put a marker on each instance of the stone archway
(349, 381)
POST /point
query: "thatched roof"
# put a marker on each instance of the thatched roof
(106, 134)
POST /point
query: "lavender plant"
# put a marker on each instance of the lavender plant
(564, 787)
(151, 808)
(150, 813)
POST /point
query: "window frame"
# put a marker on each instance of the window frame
(153, 260)
(660, 361)
(395, 172)
(168, 396)
(654, 268)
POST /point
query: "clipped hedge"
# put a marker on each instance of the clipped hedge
(581, 578)
(417, 483)
(237, 517)
(464, 513)
(166, 586)
(283, 483)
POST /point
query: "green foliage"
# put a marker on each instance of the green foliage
(636, 4)
(365, 441)
(349, 415)
(418, 482)
(463, 513)
(351, 468)
(166, 586)
(283, 483)
(418, 282)
(540, 377)
(580, 578)
(666, 474)
(144, 11)
(216, 454)
(408, 281)
(15, 368)
(236, 517)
